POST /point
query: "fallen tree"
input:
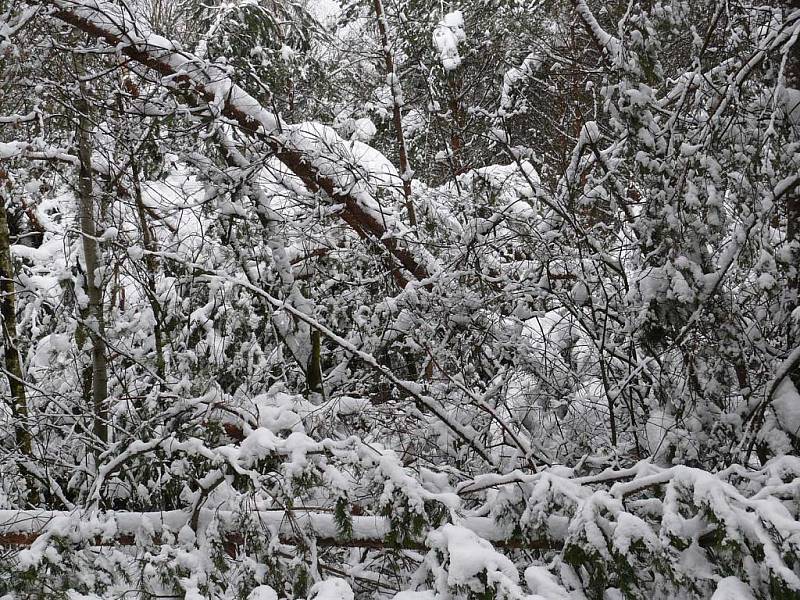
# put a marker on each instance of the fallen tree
(317, 156)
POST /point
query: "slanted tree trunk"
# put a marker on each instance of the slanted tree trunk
(8, 312)
(91, 251)
(241, 108)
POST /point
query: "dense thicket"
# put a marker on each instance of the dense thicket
(400, 300)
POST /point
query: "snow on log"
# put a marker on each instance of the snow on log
(24, 527)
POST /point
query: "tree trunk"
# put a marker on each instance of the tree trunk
(151, 263)
(793, 208)
(314, 369)
(94, 289)
(397, 111)
(8, 312)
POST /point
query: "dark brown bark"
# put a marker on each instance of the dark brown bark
(455, 84)
(314, 368)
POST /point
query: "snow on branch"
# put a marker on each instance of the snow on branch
(620, 532)
(314, 153)
(602, 38)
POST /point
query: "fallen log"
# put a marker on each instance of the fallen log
(23, 528)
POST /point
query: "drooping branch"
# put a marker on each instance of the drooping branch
(604, 40)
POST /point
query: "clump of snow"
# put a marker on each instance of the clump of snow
(580, 293)
(413, 121)
(363, 130)
(766, 281)
(470, 555)
(110, 233)
(732, 588)
(446, 37)
(287, 53)
(540, 581)
(259, 444)
(630, 529)
(281, 412)
(407, 595)
(11, 149)
(263, 592)
(378, 169)
(135, 252)
(334, 588)
(786, 404)
(352, 406)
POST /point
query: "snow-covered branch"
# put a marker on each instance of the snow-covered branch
(316, 155)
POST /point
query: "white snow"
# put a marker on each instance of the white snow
(408, 595)
(541, 582)
(326, 12)
(447, 35)
(363, 130)
(334, 588)
(470, 555)
(12, 149)
(262, 592)
(732, 588)
(786, 403)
